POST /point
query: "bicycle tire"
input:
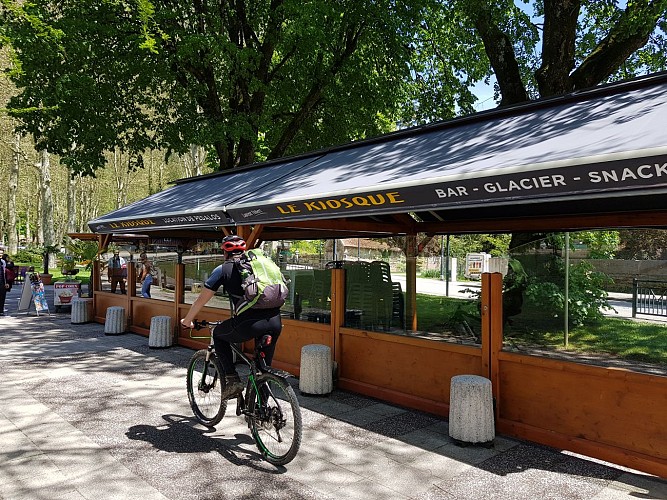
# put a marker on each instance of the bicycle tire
(205, 396)
(275, 421)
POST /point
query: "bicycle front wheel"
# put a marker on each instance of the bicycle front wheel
(275, 419)
(205, 381)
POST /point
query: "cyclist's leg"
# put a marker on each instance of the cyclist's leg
(252, 324)
(231, 330)
(225, 333)
(273, 326)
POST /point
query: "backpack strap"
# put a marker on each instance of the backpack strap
(237, 264)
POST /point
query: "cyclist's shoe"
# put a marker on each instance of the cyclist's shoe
(233, 387)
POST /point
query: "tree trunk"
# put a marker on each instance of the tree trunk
(12, 233)
(47, 204)
(39, 218)
(120, 177)
(71, 203)
(89, 205)
(28, 231)
(197, 156)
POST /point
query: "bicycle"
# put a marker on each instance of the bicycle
(270, 405)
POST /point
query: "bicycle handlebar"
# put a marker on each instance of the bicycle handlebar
(198, 325)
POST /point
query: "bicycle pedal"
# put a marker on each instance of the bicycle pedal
(239, 405)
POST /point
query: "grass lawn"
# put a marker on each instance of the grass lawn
(441, 314)
(83, 276)
(621, 338)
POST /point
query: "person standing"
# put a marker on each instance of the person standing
(117, 272)
(146, 275)
(4, 286)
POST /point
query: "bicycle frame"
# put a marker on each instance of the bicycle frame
(257, 365)
(268, 403)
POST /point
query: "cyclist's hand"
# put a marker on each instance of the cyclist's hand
(187, 325)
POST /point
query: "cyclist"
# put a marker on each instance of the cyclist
(250, 324)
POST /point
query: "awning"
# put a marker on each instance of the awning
(595, 151)
(199, 204)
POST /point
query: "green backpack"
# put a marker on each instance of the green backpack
(263, 283)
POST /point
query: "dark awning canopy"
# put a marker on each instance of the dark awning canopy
(594, 152)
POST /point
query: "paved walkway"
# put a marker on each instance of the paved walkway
(89, 416)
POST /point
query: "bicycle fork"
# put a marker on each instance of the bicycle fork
(203, 386)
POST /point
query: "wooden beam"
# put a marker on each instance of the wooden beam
(424, 242)
(104, 242)
(652, 219)
(252, 239)
(406, 221)
(359, 225)
(275, 234)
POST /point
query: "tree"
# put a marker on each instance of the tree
(643, 244)
(583, 43)
(248, 79)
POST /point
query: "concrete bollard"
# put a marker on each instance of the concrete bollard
(80, 311)
(114, 323)
(161, 333)
(471, 410)
(316, 375)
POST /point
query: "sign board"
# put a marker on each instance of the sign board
(64, 292)
(33, 292)
(39, 297)
(26, 296)
(476, 264)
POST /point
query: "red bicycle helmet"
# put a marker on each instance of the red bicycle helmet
(233, 244)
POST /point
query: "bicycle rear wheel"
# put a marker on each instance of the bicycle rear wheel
(275, 419)
(205, 381)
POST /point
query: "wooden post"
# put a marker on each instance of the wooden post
(179, 287)
(492, 330)
(97, 281)
(131, 280)
(179, 296)
(411, 251)
(337, 311)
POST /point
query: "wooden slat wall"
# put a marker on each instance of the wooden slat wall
(613, 414)
(405, 370)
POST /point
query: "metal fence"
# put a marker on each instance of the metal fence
(649, 297)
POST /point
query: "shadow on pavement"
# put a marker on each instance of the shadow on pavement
(179, 435)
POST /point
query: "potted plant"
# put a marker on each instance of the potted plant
(46, 277)
(85, 253)
(68, 266)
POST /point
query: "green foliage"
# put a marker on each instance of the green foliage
(253, 81)
(516, 277)
(430, 273)
(32, 254)
(66, 263)
(84, 252)
(600, 244)
(496, 245)
(262, 79)
(643, 244)
(587, 292)
(308, 247)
